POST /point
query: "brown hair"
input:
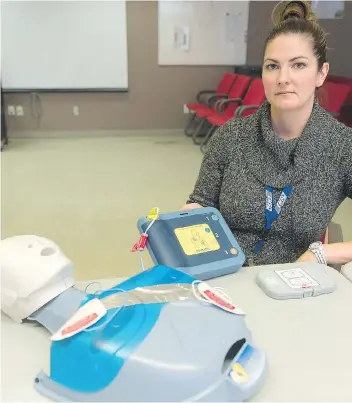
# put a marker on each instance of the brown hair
(296, 17)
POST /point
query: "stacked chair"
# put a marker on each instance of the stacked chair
(237, 91)
(235, 108)
(238, 96)
(208, 98)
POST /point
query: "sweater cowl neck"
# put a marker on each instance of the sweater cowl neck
(279, 163)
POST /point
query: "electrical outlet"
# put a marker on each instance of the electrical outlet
(11, 110)
(19, 110)
(185, 109)
(75, 110)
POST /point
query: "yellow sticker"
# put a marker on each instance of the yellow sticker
(238, 374)
(197, 239)
(153, 214)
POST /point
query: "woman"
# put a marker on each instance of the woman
(290, 154)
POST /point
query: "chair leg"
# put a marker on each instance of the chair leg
(203, 145)
(198, 130)
(190, 125)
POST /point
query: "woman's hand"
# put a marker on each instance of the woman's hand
(307, 256)
(335, 253)
(191, 206)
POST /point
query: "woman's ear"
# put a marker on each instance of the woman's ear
(322, 74)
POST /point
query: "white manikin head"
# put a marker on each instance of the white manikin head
(33, 272)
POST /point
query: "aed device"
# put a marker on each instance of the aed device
(198, 242)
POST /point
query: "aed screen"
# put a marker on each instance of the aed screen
(197, 239)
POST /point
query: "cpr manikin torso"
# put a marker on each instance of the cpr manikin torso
(157, 329)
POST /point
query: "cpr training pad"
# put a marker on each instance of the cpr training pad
(295, 280)
(198, 242)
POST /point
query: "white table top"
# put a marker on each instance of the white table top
(308, 343)
(346, 270)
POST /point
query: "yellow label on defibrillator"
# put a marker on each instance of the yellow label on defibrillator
(238, 374)
(197, 239)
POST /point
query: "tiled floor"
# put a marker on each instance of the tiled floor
(86, 194)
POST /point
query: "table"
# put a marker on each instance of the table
(308, 343)
(346, 270)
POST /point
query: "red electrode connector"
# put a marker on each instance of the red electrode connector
(140, 245)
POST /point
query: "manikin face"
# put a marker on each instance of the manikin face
(290, 72)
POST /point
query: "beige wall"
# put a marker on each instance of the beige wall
(339, 34)
(157, 94)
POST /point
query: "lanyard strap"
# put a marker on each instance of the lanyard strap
(272, 213)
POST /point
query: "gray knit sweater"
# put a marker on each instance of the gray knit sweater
(245, 155)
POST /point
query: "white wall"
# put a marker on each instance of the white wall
(215, 32)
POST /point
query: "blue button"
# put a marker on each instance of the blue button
(207, 230)
(215, 217)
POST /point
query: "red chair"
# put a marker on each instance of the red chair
(209, 97)
(339, 80)
(346, 110)
(323, 238)
(333, 97)
(237, 108)
(237, 91)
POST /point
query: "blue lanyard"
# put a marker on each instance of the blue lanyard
(272, 213)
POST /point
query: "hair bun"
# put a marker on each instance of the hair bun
(292, 9)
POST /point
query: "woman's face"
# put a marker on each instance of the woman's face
(290, 72)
